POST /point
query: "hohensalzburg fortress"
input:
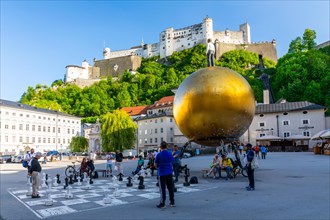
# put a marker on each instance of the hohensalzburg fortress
(170, 40)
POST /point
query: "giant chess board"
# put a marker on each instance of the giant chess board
(88, 199)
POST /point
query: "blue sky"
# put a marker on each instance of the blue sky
(40, 38)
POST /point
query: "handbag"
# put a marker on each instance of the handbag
(24, 163)
(255, 163)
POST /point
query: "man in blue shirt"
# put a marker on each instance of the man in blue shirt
(250, 171)
(164, 162)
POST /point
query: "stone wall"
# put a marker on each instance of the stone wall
(266, 49)
(117, 65)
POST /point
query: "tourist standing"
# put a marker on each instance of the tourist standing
(250, 171)
(28, 157)
(163, 162)
(263, 150)
(119, 159)
(109, 164)
(34, 171)
(210, 51)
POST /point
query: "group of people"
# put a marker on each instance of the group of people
(87, 166)
(217, 165)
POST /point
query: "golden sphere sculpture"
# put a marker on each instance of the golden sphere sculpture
(213, 104)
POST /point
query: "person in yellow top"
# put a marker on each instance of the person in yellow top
(226, 165)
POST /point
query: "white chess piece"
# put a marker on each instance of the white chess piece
(88, 187)
(55, 182)
(68, 194)
(44, 185)
(49, 200)
(107, 198)
(79, 182)
(29, 185)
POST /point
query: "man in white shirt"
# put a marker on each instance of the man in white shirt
(28, 157)
(210, 51)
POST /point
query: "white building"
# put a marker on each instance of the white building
(23, 126)
(286, 119)
(171, 40)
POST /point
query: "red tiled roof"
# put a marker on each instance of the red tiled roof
(137, 110)
(163, 102)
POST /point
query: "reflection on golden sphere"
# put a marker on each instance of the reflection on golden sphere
(214, 103)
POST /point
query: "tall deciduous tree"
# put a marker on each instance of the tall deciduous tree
(79, 144)
(118, 131)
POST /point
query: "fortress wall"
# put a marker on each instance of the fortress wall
(94, 72)
(233, 37)
(81, 83)
(121, 53)
(123, 63)
(266, 49)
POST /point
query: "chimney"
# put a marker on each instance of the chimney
(266, 96)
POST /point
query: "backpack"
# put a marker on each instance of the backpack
(193, 180)
(24, 163)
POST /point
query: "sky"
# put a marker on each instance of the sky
(40, 38)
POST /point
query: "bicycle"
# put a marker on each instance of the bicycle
(239, 170)
(72, 170)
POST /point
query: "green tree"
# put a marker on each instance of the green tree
(309, 39)
(295, 45)
(118, 131)
(79, 144)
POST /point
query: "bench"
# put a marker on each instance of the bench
(207, 170)
(104, 172)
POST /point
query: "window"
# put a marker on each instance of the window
(27, 127)
(21, 139)
(72, 131)
(171, 119)
(150, 140)
(63, 141)
(13, 114)
(39, 139)
(161, 130)
(161, 120)
(155, 120)
(146, 131)
(58, 130)
(261, 124)
(305, 121)
(261, 135)
(171, 139)
(53, 129)
(44, 140)
(33, 139)
(68, 130)
(28, 116)
(155, 130)
(20, 126)
(48, 140)
(48, 129)
(39, 128)
(285, 122)
(306, 133)
(156, 141)
(59, 140)
(39, 117)
(13, 127)
(54, 140)
(286, 134)
(6, 126)
(33, 127)
(44, 128)
(171, 129)
(27, 139)
(161, 139)
(145, 140)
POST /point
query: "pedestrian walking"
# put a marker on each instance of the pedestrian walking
(250, 170)
(163, 162)
(210, 51)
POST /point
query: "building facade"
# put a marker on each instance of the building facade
(23, 126)
(286, 119)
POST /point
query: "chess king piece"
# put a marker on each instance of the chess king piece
(68, 194)
(141, 183)
(29, 185)
(58, 179)
(129, 184)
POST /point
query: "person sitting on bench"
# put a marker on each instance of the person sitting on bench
(226, 165)
(151, 163)
(214, 166)
(140, 164)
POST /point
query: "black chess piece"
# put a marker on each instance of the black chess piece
(129, 184)
(120, 176)
(141, 183)
(81, 177)
(91, 177)
(75, 178)
(186, 176)
(58, 179)
(71, 179)
(46, 179)
(66, 182)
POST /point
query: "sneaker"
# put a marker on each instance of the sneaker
(34, 197)
(161, 206)
(172, 204)
(250, 189)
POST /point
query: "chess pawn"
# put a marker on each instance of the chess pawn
(49, 200)
(44, 185)
(55, 181)
(116, 192)
(79, 182)
(68, 194)
(107, 198)
(29, 185)
(88, 187)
